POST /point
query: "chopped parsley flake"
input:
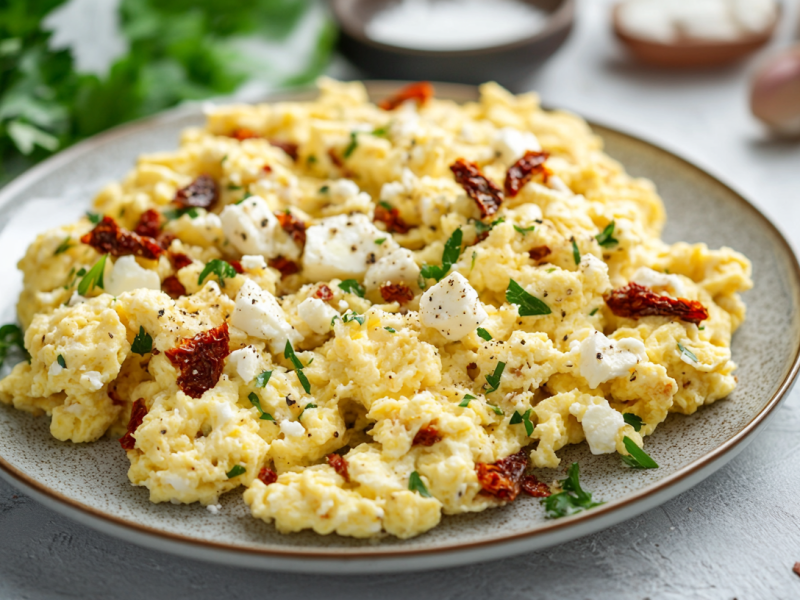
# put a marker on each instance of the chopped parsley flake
(686, 352)
(232, 187)
(452, 250)
(638, 458)
(64, 246)
(94, 218)
(529, 306)
(263, 379)
(177, 213)
(288, 352)
(496, 409)
(351, 286)
(524, 230)
(351, 316)
(142, 343)
(525, 419)
(606, 237)
(465, 401)
(236, 471)
(594, 312)
(381, 131)
(218, 267)
(255, 401)
(390, 329)
(474, 257)
(94, 278)
(701, 328)
(633, 420)
(482, 333)
(307, 406)
(551, 269)
(494, 378)
(571, 500)
(379, 241)
(385, 205)
(415, 485)
(481, 227)
(352, 145)
(311, 159)
(576, 254)
(60, 360)
(11, 336)
(324, 189)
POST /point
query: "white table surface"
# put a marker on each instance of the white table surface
(736, 535)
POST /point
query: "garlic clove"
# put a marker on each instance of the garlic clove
(775, 92)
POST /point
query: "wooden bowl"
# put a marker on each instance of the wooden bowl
(508, 64)
(692, 52)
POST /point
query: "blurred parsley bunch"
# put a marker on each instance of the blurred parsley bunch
(178, 50)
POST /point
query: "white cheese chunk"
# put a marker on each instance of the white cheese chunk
(214, 508)
(127, 276)
(257, 313)
(600, 423)
(252, 262)
(595, 273)
(246, 362)
(343, 246)
(292, 428)
(317, 314)
(343, 189)
(252, 229)
(75, 299)
(398, 266)
(602, 359)
(92, 380)
(55, 369)
(512, 143)
(452, 307)
(659, 282)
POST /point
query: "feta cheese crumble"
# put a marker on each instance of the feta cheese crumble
(257, 313)
(511, 144)
(398, 266)
(452, 307)
(317, 314)
(292, 428)
(595, 273)
(252, 262)
(600, 423)
(92, 380)
(252, 229)
(657, 282)
(603, 359)
(127, 275)
(246, 363)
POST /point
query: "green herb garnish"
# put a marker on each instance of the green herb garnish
(494, 378)
(452, 250)
(529, 306)
(606, 238)
(288, 352)
(218, 267)
(94, 277)
(381, 131)
(496, 409)
(482, 333)
(576, 254)
(415, 485)
(302, 412)
(142, 343)
(524, 418)
(176, 213)
(60, 360)
(572, 500)
(351, 316)
(64, 246)
(524, 230)
(324, 189)
(11, 336)
(352, 145)
(94, 218)
(379, 241)
(256, 401)
(594, 311)
(474, 257)
(263, 379)
(481, 227)
(638, 458)
(390, 329)
(633, 420)
(236, 471)
(686, 352)
(465, 400)
(351, 286)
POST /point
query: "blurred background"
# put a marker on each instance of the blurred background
(716, 80)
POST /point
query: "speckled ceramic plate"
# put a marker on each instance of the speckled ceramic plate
(89, 483)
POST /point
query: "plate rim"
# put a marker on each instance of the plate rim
(598, 518)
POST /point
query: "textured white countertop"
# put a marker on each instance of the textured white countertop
(736, 535)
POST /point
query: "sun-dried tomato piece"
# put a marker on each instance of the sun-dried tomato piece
(284, 265)
(109, 238)
(391, 218)
(426, 436)
(339, 163)
(173, 287)
(396, 292)
(138, 413)
(324, 293)
(634, 301)
(200, 360)
(293, 226)
(266, 169)
(203, 192)
(289, 147)
(421, 91)
(179, 260)
(484, 192)
(243, 133)
(534, 487)
(338, 464)
(502, 479)
(149, 224)
(539, 252)
(522, 171)
(237, 266)
(267, 476)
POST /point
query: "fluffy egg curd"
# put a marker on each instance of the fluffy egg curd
(369, 316)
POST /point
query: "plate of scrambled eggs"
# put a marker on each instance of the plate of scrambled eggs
(324, 333)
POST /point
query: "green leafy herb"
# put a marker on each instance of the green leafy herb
(60, 360)
(570, 501)
(524, 230)
(494, 378)
(288, 352)
(11, 337)
(481, 227)
(233, 187)
(142, 343)
(176, 213)
(529, 306)
(311, 159)
(633, 420)
(474, 257)
(351, 286)
(352, 145)
(482, 333)
(465, 401)
(263, 379)
(452, 250)
(550, 270)
(381, 131)
(379, 241)
(352, 316)
(218, 267)
(64, 246)
(324, 189)
(94, 278)
(94, 218)
(307, 406)
(415, 485)
(701, 328)
(594, 311)
(524, 418)
(256, 401)
(390, 329)
(606, 238)
(638, 458)
(235, 471)
(686, 352)
(496, 409)
(576, 254)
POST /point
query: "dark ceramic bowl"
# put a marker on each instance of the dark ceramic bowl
(507, 64)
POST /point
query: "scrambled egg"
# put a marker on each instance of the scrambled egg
(370, 373)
